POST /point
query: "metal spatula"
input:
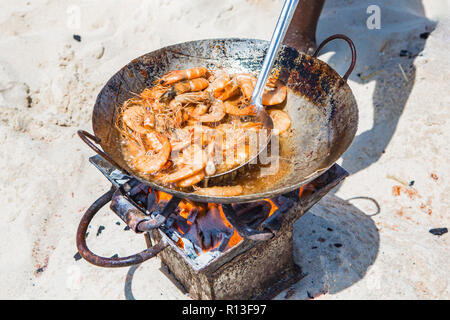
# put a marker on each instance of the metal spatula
(261, 114)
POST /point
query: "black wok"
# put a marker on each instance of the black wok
(320, 103)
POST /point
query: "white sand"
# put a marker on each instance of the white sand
(48, 85)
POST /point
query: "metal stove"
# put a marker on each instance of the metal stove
(215, 251)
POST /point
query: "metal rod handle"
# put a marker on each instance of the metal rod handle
(91, 257)
(352, 48)
(87, 137)
(277, 37)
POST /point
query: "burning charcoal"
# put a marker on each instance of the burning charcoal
(223, 245)
(209, 231)
(100, 229)
(77, 37)
(77, 256)
(254, 213)
(284, 203)
(182, 224)
(192, 215)
(438, 231)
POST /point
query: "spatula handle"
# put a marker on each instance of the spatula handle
(277, 37)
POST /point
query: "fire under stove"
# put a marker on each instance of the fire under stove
(215, 251)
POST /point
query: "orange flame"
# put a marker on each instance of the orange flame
(273, 207)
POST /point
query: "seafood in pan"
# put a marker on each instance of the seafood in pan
(196, 123)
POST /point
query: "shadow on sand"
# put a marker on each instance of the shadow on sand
(334, 244)
(385, 56)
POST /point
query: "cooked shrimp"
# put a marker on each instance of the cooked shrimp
(274, 93)
(230, 90)
(281, 120)
(218, 85)
(133, 118)
(148, 163)
(134, 149)
(151, 142)
(228, 191)
(217, 112)
(247, 83)
(192, 97)
(184, 112)
(196, 178)
(232, 108)
(183, 87)
(154, 93)
(183, 172)
(179, 75)
(149, 121)
(199, 110)
(180, 139)
(191, 85)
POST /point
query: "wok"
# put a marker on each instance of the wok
(320, 104)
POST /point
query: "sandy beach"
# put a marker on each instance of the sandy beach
(399, 159)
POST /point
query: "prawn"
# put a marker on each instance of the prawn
(217, 112)
(230, 90)
(227, 191)
(199, 110)
(183, 87)
(179, 75)
(190, 181)
(281, 120)
(183, 173)
(152, 162)
(133, 117)
(246, 83)
(190, 162)
(180, 139)
(153, 93)
(218, 85)
(192, 97)
(274, 93)
(232, 108)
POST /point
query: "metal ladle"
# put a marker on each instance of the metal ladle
(281, 27)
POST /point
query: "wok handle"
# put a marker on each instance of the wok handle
(91, 257)
(87, 137)
(352, 48)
